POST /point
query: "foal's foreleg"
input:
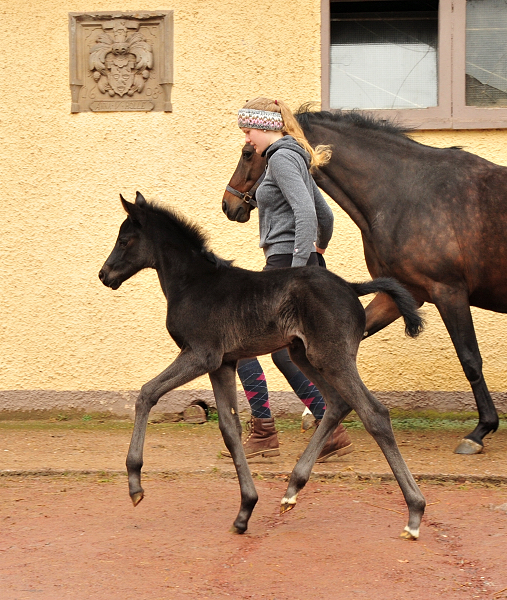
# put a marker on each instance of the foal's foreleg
(224, 387)
(336, 410)
(185, 368)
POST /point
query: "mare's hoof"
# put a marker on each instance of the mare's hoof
(409, 534)
(467, 446)
(137, 497)
(237, 530)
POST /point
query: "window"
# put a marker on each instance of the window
(428, 63)
(486, 53)
(383, 57)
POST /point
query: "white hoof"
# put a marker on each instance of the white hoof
(410, 534)
(307, 420)
(288, 504)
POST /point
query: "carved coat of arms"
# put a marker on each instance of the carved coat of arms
(121, 60)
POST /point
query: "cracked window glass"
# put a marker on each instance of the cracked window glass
(486, 53)
(384, 55)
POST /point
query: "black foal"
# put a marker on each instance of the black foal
(218, 314)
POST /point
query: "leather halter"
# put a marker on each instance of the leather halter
(249, 196)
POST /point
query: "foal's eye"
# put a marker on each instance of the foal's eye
(122, 243)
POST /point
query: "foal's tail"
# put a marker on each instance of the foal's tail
(403, 299)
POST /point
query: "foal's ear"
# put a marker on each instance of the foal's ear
(140, 201)
(134, 211)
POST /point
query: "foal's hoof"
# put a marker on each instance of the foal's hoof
(237, 530)
(287, 504)
(409, 534)
(467, 446)
(137, 497)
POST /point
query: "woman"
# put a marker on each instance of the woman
(295, 225)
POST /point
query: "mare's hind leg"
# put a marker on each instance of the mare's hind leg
(185, 368)
(336, 410)
(224, 387)
(454, 308)
(380, 313)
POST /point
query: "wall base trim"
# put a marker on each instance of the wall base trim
(121, 404)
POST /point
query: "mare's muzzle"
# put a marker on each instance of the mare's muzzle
(236, 210)
(239, 204)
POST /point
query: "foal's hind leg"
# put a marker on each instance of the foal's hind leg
(377, 422)
(185, 368)
(343, 376)
(375, 417)
(224, 387)
(336, 410)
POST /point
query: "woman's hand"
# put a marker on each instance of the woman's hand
(320, 250)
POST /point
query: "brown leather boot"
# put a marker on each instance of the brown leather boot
(337, 444)
(262, 439)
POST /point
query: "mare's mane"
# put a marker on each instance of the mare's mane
(190, 234)
(363, 120)
(356, 118)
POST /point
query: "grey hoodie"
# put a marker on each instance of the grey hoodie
(293, 215)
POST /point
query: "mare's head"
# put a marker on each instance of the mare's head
(235, 202)
(131, 252)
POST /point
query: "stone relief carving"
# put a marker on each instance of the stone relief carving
(121, 61)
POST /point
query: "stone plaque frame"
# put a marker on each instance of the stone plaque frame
(121, 61)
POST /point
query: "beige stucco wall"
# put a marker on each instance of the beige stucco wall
(61, 175)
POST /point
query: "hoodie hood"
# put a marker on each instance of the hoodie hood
(287, 142)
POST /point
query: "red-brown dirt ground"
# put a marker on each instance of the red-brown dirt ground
(71, 534)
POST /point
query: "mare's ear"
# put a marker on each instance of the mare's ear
(140, 201)
(134, 211)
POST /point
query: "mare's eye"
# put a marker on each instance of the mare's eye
(122, 243)
(247, 155)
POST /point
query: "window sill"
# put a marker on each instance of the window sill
(469, 118)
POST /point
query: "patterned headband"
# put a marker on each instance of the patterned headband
(249, 118)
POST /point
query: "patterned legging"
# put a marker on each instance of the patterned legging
(252, 376)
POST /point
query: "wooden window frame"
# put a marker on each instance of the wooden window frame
(452, 111)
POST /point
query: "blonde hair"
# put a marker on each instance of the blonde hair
(319, 156)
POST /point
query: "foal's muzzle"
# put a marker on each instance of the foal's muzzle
(104, 273)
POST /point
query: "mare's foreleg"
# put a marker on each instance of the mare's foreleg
(186, 367)
(224, 387)
(336, 410)
(454, 308)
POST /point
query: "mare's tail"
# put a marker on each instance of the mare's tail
(403, 299)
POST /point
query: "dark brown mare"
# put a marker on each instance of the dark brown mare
(218, 314)
(434, 219)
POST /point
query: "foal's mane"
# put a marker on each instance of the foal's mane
(363, 120)
(190, 234)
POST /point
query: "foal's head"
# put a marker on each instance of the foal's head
(131, 252)
(154, 236)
